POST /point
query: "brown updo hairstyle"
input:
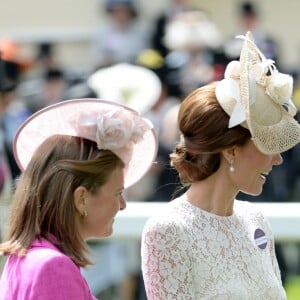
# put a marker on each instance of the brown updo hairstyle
(205, 133)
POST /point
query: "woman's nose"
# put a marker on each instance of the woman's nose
(122, 203)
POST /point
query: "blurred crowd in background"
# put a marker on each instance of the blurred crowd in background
(151, 69)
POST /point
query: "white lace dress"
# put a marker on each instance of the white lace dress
(188, 253)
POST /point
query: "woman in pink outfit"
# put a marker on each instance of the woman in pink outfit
(77, 156)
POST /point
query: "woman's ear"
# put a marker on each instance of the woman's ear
(229, 154)
(79, 197)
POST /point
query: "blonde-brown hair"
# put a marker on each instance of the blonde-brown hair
(204, 127)
(43, 206)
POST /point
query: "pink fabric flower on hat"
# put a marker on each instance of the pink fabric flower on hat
(118, 131)
(115, 130)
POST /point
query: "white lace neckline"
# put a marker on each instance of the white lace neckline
(199, 211)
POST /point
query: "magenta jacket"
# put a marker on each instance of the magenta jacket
(44, 273)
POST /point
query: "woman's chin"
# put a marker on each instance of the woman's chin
(107, 233)
(252, 192)
(100, 235)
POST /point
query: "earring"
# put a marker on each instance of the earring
(84, 214)
(231, 166)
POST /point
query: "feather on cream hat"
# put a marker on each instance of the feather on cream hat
(257, 96)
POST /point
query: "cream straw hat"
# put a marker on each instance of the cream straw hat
(257, 96)
(112, 126)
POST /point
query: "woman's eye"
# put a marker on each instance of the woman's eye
(120, 194)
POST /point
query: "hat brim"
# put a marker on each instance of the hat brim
(56, 119)
(277, 136)
(134, 86)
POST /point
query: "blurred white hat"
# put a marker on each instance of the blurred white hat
(192, 29)
(134, 86)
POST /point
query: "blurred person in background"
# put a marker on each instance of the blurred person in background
(9, 78)
(47, 81)
(15, 67)
(7, 87)
(163, 115)
(77, 158)
(45, 89)
(121, 36)
(248, 15)
(206, 243)
(46, 56)
(173, 7)
(191, 38)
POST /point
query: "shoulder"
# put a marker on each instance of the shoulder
(248, 210)
(44, 258)
(53, 271)
(169, 220)
(49, 259)
(166, 232)
(45, 273)
(252, 213)
(246, 207)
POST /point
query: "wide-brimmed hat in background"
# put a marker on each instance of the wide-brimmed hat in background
(134, 86)
(112, 126)
(192, 30)
(257, 96)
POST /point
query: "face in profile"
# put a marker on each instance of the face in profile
(252, 168)
(103, 205)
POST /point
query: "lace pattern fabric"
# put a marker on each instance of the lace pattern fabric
(190, 254)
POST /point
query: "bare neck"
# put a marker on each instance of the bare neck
(215, 194)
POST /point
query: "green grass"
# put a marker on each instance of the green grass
(292, 288)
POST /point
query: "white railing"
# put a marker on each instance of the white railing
(284, 219)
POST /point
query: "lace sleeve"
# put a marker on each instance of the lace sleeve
(165, 263)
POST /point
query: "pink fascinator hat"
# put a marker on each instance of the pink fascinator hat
(112, 126)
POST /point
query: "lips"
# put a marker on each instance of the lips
(263, 177)
(264, 174)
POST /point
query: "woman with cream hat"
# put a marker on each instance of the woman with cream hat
(77, 158)
(207, 244)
